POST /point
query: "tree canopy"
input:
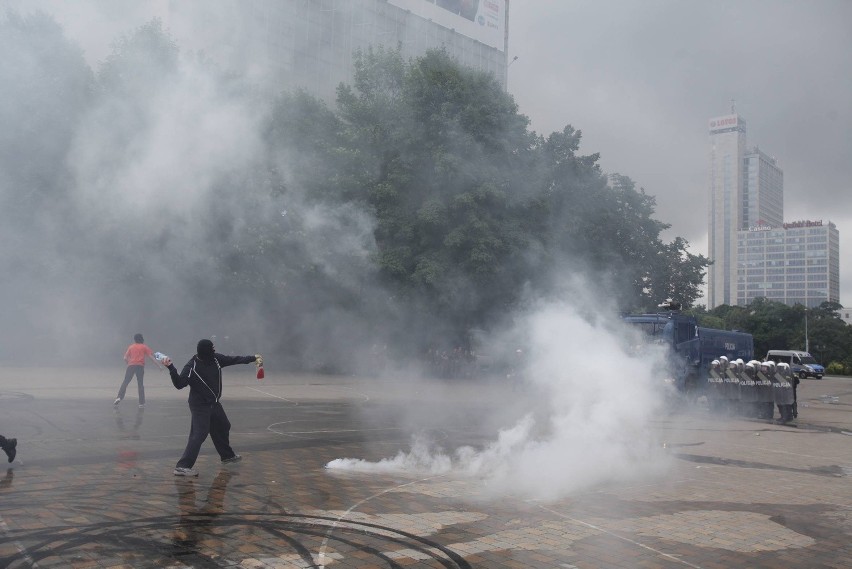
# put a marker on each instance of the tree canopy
(776, 326)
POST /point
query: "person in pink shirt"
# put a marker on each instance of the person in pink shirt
(135, 358)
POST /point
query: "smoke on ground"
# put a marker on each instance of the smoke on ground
(600, 399)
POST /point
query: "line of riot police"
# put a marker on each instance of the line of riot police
(753, 389)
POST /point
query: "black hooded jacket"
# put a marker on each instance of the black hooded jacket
(204, 377)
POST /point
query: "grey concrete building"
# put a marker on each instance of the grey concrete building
(797, 263)
(289, 44)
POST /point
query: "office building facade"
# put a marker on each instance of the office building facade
(298, 44)
(762, 191)
(797, 263)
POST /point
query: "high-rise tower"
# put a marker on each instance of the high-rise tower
(727, 150)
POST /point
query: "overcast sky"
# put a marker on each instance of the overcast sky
(641, 78)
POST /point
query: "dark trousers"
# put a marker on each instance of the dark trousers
(795, 398)
(139, 371)
(207, 420)
(786, 412)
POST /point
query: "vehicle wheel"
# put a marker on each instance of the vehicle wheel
(803, 375)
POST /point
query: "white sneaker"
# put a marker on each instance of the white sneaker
(235, 458)
(181, 471)
(117, 401)
(141, 405)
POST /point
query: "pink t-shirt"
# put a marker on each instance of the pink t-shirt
(135, 354)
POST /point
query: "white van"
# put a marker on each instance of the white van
(802, 363)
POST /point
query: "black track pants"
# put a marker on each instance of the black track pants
(207, 420)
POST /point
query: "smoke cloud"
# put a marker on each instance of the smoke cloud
(591, 420)
(130, 180)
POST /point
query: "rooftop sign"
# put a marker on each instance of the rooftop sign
(727, 122)
(803, 223)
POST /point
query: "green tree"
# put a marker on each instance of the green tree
(140, 62)
(829, 338)
(444, 145)
(471, 210)
(659, 270)
(606, 227)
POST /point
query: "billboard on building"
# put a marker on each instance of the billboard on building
(727, 123)
(482, 20)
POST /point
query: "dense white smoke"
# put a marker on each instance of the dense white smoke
(163, 167)
(601, 399)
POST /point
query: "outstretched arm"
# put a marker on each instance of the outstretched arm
(225, 361)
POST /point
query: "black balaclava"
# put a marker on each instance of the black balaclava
(138, 339)
(205, 350)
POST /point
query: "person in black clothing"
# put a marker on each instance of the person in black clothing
(9, 446)
(203, 375)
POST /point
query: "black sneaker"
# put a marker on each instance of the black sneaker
(10, 449)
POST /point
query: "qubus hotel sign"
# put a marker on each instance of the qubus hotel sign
(726, 122)
(482, 20)
(803, 223)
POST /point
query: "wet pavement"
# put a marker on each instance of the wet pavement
(93, 487)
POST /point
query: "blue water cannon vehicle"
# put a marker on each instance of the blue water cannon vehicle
(689, 347)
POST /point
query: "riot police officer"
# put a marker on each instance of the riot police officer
(784, 393)
(748, 391)
(739, 371)
(765, 395)
(732, 385)
(715, 386)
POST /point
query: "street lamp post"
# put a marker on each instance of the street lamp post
(807, 345)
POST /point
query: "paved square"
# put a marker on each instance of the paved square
(93, 487)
